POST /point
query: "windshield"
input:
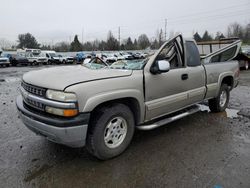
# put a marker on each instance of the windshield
(42, 55)
(52, 54)
(129, 64)
(97, 63)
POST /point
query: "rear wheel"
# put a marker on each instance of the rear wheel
(220, 103)
(111, 131)
(34, 63)
(14, 63)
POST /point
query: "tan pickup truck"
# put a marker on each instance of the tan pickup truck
(100, 106)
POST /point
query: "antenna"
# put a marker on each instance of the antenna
(119, 36)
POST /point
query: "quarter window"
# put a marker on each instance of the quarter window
(224, 56)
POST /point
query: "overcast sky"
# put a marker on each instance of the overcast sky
(51, 21)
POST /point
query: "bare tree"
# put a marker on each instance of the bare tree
(235, 30)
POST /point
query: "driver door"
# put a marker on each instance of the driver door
(167, 92)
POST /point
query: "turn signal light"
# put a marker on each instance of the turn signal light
(69, 113)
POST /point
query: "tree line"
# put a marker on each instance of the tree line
(142, 42)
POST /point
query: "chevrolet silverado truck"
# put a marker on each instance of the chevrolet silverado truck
(99, 106)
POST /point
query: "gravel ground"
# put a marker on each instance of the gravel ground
(202, 150)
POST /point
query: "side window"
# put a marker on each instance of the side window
(228, 54)
(224, 56)
(193, 55)
(171, 54)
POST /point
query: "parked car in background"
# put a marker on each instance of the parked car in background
(4, 61)
(19, 59)
(65, 59)
(110, 58)
(80, 56)
(102, 56)
(119, 56)
(244, 60)
(246, 51)
(29, 50)
(126, 55)
(37, 59)
(51, 56)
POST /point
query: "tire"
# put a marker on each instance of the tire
(63, 62)
(219, 104)
(14, 63)
(102, 141)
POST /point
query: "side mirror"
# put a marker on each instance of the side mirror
(160, 66)
(164, 66)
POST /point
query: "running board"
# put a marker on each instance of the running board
(169, 119)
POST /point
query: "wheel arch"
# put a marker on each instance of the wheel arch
(226, 78)
(132, 102)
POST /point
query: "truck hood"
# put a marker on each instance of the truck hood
(59, 78)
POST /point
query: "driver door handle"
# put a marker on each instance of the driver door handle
(184, 76)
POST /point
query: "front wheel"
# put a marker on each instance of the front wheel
(219, 104)
(111, 131)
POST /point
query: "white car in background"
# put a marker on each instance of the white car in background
(36, 59)
(110, 58)
(64, 59)
(126, 55)
(119, 56)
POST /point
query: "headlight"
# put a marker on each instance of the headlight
(61, 96)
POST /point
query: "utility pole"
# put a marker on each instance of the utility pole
(119, 36)
(82, 34)
(166, 22)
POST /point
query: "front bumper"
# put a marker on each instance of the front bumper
(71, 132)
(69, 60)
(4, 63)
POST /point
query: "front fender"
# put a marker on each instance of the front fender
(100, 98)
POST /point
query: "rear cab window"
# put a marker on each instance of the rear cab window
(193, 55)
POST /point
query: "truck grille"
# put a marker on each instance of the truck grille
(34, 89)
(34, 104)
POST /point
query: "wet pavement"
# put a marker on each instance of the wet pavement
(202, 150)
